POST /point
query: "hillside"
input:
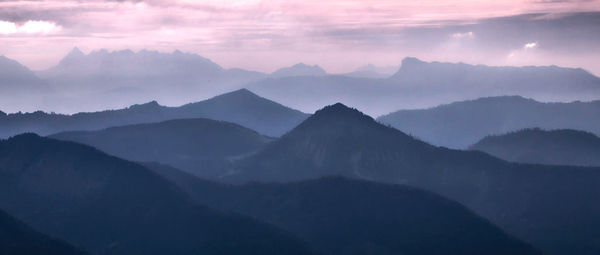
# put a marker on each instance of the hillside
(299, 69)
(461, 124)
(105, 79)
(241, 107)
(20, 89)
(538, 204)
(203, 147)
(548, 83)
(550, 147)
(343, 216)
(107, 205)
(16, 238)
(418, 84)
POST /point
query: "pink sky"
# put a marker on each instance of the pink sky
(265, 35)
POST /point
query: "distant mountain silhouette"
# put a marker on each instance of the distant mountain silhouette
(460, 124)
(200, 146)
(12, 73)
(419, 84)
(107, 205)
(112, 79)
(309, 93)
(126, 63)
(544, 82)
(537, 146)
(373, 72)
(539, 204)
(20, 89)
(16, 238)
(240, 107)
(342, 216)
(299, 69)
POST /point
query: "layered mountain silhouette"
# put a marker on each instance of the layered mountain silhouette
(299, 69)
(16, 238)
(552, 147)
(373, 72)
(309, 93)
(14, 75)
(343, 216)
(461, 124)
(107, 205)
(419, 84)
(203, 147)
(20, 89)
(548, 83)
(242, 107)
(126, 63)
(538, 204)
(113, 79)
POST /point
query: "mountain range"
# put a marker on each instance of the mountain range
(546, 83)
(461, 124)
(373, 72)
(241, 107)
(536, 203)
(550, 147)
(419, 84)
(203, 147)
(524, 200)
(551, 207)
(115, 79)
(343, 216)
(20, 89)
(299, 69)
(107, 205)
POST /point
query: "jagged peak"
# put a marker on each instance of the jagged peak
(300, 69)
(298, 65)
(314, 67)
(75, 52)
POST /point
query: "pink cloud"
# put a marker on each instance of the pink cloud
(250, 29)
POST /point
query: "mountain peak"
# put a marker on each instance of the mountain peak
(300, 69)
(302, 65)
(75, 52)
(150, 105)
(73, 56)
(411, 61)
(238, 94)
(338, 108)
(25, 137)
(339, 113)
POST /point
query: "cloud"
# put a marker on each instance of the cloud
(39, 27)
(339, 32)
(530, 45)
(468, 35)
(30, 27)
(7, 28)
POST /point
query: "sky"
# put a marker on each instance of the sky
(337, 35)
